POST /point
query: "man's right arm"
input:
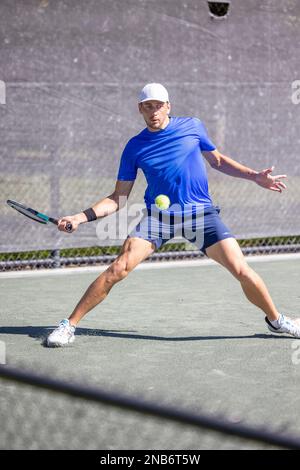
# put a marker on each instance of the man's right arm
(111, 203)
(104, 207)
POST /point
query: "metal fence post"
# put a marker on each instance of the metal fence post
(55, 255)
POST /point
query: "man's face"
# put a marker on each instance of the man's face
(155, 113)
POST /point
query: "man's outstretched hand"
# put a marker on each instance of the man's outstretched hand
(266, 180)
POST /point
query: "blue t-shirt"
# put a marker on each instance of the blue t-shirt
(171, 161)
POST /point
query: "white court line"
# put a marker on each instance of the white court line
(148, 265)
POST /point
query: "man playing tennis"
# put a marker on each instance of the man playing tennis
(169, 152)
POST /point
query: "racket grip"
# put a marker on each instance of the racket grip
(69, 227)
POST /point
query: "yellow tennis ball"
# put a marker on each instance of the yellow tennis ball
(162, 201)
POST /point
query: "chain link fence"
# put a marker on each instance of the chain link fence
(39, 412)
(72, 73)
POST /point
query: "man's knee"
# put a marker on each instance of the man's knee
(243, 272)
(118, 270)
(133, 252)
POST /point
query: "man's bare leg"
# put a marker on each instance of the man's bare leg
(227, 252)
(134, 251)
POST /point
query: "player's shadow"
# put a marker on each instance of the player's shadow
(41, 333)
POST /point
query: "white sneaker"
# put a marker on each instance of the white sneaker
(285, 325)
(62, 335)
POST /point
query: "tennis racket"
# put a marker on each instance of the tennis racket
(35, 215)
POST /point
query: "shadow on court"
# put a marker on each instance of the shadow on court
(40, 332)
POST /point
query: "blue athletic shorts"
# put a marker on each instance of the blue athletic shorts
(202, 228)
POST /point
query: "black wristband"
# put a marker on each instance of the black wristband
(90, 214)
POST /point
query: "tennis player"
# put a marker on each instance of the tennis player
(169, 152)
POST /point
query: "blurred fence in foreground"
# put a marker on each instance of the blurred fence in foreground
(43, 412)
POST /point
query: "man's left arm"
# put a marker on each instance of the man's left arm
(227, 165)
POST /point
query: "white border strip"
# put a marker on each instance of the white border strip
(150, 265)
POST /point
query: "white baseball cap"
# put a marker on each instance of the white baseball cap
(153, 91)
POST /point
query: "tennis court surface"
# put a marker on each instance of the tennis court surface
(179, 334)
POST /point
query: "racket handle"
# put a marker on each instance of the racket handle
(68, 226)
